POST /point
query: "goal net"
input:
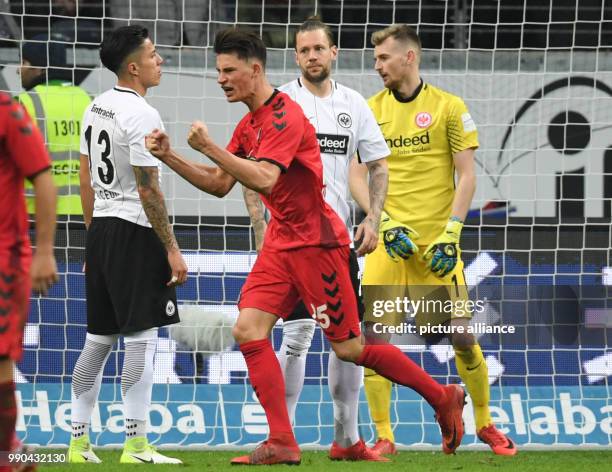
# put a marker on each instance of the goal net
(537, 79)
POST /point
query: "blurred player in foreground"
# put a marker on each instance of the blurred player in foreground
(22, 155)
(274, 151)
(133, 261)
(431, 135)
(344, 125)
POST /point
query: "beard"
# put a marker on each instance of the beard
(317, 78)
(392, 84)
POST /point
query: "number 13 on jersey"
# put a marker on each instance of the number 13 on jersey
(104, 166)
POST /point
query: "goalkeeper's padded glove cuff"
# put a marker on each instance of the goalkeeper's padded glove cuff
(384, 218)
(453, 229)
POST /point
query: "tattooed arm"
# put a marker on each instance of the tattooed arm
(370, 196)
(152, 198)
(377, 188)
(256, 212)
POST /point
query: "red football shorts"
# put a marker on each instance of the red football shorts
(318, 276)
(15, 288)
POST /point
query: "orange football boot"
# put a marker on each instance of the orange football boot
(268, 453)
(357, 452)
(448, 416)
(497, 441)
(385, 447)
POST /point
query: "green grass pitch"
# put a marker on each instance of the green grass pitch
(468, 461)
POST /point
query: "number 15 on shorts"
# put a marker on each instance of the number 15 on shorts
(319, 315)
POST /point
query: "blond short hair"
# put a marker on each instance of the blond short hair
(399, 32)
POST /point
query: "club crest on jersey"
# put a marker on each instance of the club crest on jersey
(170, 308)
(423, 119)
(345, 120)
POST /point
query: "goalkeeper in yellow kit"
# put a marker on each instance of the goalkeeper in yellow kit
(431, 136)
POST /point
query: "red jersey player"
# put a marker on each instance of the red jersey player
(22, 155)
(305, 255)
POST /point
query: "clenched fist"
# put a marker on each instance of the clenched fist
(198, 138)
(158, 144)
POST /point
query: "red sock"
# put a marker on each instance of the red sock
(267, 381)
(8, 415)
(388, 361)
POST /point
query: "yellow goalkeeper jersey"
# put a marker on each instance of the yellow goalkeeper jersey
(423, 132)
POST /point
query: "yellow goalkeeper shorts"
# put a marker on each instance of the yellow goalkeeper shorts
(386, 280)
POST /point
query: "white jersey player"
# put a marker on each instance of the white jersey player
(133, 261)
(344, 125)
(125, 115)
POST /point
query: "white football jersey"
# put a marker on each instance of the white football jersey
(113, 136)
(344, 124)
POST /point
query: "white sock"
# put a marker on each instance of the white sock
(137, 380)
(79, 430)
(135, 428)
(86, 380)
(297, 336)
(344, 380)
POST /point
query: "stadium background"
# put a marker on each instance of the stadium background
(537, 77)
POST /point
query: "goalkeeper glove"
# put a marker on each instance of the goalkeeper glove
(397, 238)
(443, 252)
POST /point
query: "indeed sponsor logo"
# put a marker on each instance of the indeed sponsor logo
(333, 143)
(401, 141)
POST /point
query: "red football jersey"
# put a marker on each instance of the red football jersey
(280, 133)
(22, 155)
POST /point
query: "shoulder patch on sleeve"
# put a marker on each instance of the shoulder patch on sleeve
(468, 122)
